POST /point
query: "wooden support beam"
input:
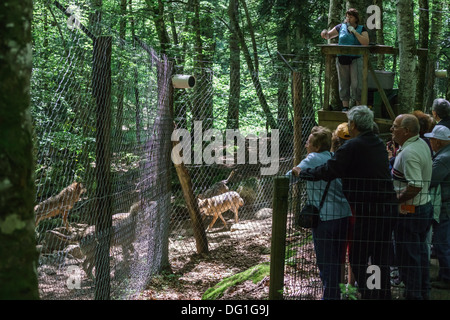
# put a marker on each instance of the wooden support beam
(192, 206)
(365, 88)
(297, 92)
(382, 93)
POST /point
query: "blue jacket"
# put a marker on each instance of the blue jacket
(335, 205)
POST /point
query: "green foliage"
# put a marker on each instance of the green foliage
(348, 291)
(255, 274)
(63, 108)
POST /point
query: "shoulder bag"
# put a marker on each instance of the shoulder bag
(308, 217)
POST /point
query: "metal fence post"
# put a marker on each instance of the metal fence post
(278, 243)
(102, 92)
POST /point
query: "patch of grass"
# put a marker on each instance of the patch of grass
(255, 273)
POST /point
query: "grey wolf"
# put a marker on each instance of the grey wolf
(123, 233)
(217, 205)
(217, 188)
(59, 204)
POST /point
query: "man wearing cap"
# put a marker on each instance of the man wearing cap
(412, 174)
(441, 112)
(440, 142)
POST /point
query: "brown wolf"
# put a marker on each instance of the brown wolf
(123, 233)
(59, 204)
(215, 206)
(217, 188)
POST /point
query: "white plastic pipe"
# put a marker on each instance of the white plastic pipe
(441, 73)
(183, 81)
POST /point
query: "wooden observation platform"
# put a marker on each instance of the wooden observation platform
(331, 119)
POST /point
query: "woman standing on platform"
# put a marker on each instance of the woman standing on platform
(349, 67)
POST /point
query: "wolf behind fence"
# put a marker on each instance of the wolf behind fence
(217, 205)
(60, 204)
(123, 233)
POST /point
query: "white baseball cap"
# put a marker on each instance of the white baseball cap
(439, 132)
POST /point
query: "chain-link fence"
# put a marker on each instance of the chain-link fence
(110, 207)
(230, 151)
(100, 106)
(365, 249)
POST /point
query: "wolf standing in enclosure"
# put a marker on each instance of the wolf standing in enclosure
(217, 205)
(362, 164)
(60, 204)
(349, 67)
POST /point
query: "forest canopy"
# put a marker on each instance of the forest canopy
(242, 38)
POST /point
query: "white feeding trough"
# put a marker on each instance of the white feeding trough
(441, 73)
(182, 81)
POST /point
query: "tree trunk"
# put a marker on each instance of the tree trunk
(180, 113)
(202, 106)
(18, 254)
(235, 75)
(251, 67)
(95, 17)
(135, 84)
(433, 54)
(252, 35)
(380, 37)
(121, 84)
(407, 56)
(424, 25)
(157, 8)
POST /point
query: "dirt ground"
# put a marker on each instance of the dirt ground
(231, 252)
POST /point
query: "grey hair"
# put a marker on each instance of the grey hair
(362, 116)
(411, 122)
(441, 107)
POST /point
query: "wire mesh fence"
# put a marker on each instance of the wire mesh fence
(110, 211)
(102, 149)
(370, 251)
(230, 153)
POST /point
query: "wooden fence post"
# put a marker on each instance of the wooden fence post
(192, 206)
(278, 243)
(191, 201)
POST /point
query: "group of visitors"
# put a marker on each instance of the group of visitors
(380, 210)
